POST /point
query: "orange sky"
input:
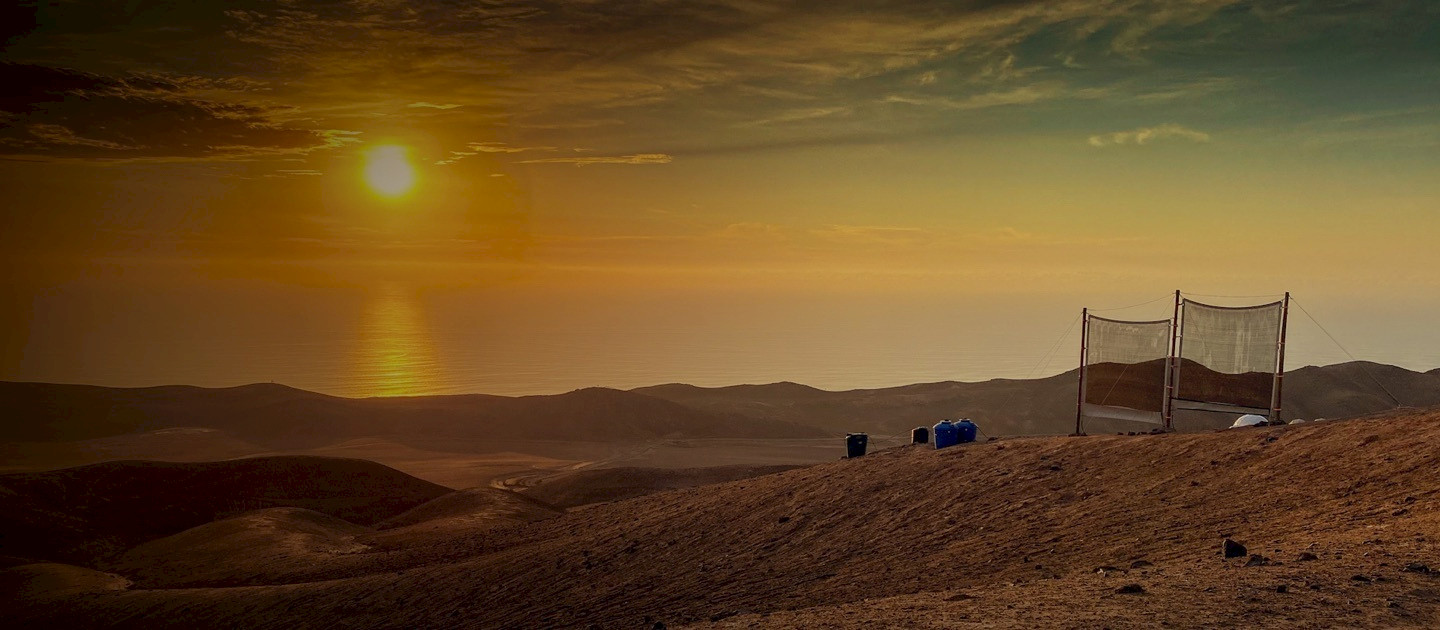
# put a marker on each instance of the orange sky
(1115, 149)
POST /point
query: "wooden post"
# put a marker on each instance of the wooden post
(1278, 391)
(1170, 362)
(1080, 397)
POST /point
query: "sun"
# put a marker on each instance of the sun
(388, 170)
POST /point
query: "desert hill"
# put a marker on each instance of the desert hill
(599, 485)
(86, 514)
(474, 508)
(255, 418)
(268, 546)
(1117, 531)
(279, 417)
(1044, 406)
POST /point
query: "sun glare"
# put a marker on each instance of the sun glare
(388, 170)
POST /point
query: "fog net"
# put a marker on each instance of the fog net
(1125, 369)
(1228, 355)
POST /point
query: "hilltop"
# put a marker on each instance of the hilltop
(1015, 533)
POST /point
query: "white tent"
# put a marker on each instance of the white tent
(1249, 420)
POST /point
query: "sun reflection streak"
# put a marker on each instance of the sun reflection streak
(396, 351)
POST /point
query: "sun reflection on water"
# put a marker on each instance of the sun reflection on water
(396, 351)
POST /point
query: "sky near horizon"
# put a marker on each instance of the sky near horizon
(770, 157)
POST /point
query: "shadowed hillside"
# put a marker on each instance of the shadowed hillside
(1111, 531)
(88, 513)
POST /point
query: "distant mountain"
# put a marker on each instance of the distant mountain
(279, 417)
(283, 417)
(1039, 406)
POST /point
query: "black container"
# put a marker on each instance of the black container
(855, 444)
(920, 435)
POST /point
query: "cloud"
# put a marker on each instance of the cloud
(63, 113)
(638, 158)
(1146, 135)
(796, 115)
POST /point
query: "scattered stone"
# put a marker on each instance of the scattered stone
(1306, 556)
(1105, 569)
(1360, 578)
(1232, 549)
(1131, 589)
(1257, 560)
(1282, 589)
(1400, 512)
(1054, 467)
(1416, 567)
(1140, 564)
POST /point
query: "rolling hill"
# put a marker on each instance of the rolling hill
(86, 514)
(1115, 531)
(280, 417)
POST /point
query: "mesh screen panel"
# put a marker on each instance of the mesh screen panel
(1228, 355)
(1125, 363)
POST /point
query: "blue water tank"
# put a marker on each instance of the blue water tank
(945, 434)
(968, 430)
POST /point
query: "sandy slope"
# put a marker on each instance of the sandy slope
(1018, 526)
(587, 486)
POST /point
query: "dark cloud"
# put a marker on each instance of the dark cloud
(184, 79)
(63, 113)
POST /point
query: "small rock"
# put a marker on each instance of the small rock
(1306, 556)
(1105, 569)
(783, 519)
(1232, 549)
(1130, 589)
(958, 597)
(1400, 512)
(724, 614)
(1257, 560)
(1416, 567)
(1359, 578)
(1140, 564)
(1282, 589)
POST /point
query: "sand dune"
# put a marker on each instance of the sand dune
(1014, 533)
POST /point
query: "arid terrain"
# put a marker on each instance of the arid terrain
(1340, 519)
(723, 508)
